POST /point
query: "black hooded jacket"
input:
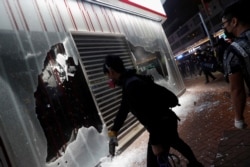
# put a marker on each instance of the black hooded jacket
(142, 100)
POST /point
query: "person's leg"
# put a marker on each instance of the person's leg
(186, 151)
(151, 158)
(206, 76)
(177, 143)
(211, 75)
(238, 97)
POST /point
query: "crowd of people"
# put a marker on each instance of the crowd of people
(231, 56)
(206, 61)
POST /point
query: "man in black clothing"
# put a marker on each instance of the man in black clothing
(150, 109)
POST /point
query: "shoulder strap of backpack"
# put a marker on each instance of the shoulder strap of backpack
(145, 78)
(133, 78)
(239, 49)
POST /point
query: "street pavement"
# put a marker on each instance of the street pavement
(207, 125)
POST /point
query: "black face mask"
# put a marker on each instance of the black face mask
(229, 34)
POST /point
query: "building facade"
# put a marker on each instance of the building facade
(193, 33)
(55, 102)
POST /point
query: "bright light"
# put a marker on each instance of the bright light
(179, 57)
(193, 49)
(154, 6)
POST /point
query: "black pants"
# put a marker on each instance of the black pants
(208, 74)
(165, 133)
(179, 145)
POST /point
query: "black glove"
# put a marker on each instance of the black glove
(113, 142)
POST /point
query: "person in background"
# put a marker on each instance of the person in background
(219, 51)
(205, 66)
(139, 98)
(236, 23)
(191, 64)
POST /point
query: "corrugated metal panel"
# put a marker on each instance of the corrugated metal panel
(92, 50)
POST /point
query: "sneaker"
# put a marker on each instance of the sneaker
(163, 161)
(196, 164)
(240, 124)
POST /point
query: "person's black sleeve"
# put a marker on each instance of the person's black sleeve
(120, 116)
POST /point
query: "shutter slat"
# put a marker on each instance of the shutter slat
(92, 50)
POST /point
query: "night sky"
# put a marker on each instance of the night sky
(178, 12)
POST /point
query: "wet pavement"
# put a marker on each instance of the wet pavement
(206, 124)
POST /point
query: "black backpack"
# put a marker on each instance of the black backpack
(171, 99)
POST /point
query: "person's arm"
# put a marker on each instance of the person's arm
(238, 94)
(120, 117)
(233, 70)
(118, 122)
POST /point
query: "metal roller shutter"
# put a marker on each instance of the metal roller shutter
(92, 49)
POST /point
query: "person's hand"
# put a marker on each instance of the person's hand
(113, 142)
